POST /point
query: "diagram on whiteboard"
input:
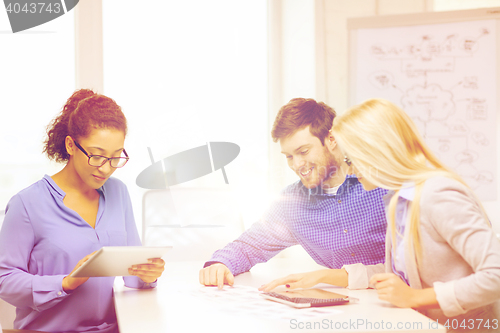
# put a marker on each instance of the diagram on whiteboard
(444, 77)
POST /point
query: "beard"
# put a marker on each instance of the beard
(330, 166)
(323, 169)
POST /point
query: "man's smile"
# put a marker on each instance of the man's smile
(305, 173)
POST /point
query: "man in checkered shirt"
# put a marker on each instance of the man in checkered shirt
(327, 212)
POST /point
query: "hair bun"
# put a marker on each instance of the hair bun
(83, 111)
(79, 95)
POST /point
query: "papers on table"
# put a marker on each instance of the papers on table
(246, 300)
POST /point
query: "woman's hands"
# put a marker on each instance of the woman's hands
(337, 277)
(71, 283)
(392, 289)
(149, 272)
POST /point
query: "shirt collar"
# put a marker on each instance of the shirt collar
(60, 192)
(54, 186)
(349, 179)
(406, 192)
(101, 190)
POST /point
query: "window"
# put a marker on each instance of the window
(37, 67)
(187, 73)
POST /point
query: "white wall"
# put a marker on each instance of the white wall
(333, 39)
(292, 62)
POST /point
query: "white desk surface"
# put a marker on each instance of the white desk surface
(180, 304)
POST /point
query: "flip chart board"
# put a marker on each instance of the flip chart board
(442, 69)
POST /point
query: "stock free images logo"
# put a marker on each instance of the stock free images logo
(25, 14)
(188, 165)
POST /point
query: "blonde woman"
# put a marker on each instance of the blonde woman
(442, 256)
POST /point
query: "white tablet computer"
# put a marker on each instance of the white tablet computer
(116, 260)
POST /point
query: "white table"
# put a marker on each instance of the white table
(179, 304)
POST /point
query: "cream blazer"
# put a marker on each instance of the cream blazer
(460, 252)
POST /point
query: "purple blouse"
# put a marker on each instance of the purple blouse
(42, 240)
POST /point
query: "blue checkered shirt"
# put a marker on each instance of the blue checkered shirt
(336, 230)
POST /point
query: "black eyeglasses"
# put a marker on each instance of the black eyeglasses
(347, 161)
(99, 161)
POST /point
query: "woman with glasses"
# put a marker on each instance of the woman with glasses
(52, 227)
(442, 256)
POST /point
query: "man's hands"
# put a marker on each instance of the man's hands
(216, 275)
(293, 281)
(337, 277)
(71, 283)
(149, 272)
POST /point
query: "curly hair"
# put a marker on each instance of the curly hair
(83, 111)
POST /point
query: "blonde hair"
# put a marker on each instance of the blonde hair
(384, 144)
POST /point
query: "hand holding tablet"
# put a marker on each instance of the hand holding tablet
(117, 260)
(149, 272)
(71, 283)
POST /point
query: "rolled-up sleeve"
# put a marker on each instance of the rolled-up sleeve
(359, 275)
(445, 295)
(17, 286)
